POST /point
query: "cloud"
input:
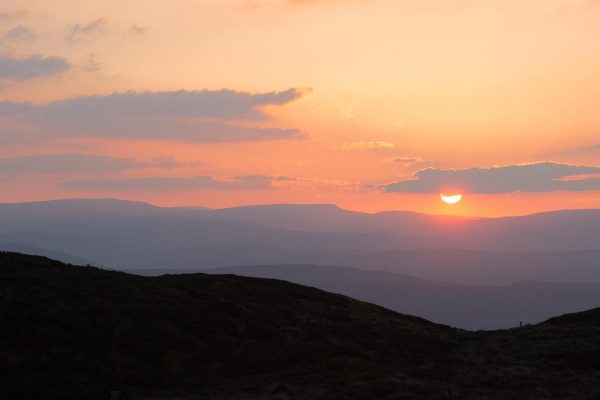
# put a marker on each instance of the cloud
(139, 29)
(368, 145)
(220, 104)
(87, 32)
(401, 160)
(166, 184)
(13, 15)
(90, 64)
(35, 66)
(75, 163)
(537, 177)
(188, 116)
(19, 33)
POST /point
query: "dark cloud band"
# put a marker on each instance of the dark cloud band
(188, 116)
(538, 177)
(35, 66)
(77, 163)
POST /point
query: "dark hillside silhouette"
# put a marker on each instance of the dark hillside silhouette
(80, 332)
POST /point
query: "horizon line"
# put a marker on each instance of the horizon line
(294, 204)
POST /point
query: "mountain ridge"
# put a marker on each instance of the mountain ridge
(130, 235)
(140, 203)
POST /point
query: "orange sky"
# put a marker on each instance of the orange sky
(385, 88)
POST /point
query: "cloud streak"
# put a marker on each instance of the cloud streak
(87, 32)
(19, 33)
(371, 145)
(537, 177)
(78, 163)
(168, 184)
(402, 160)
(13, 15)
(187, 116)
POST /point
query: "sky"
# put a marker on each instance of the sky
(368, 104)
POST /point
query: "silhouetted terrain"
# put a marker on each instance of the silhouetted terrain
(77, 332)
(38, 251)
(462, 306)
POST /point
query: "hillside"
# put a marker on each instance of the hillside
(462, 306)
(78, 332)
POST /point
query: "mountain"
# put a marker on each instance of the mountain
(564, 230)
(462, 306)
(472, 267)
(327, 218)
(80, 332)
(559, 246)
(133, 238)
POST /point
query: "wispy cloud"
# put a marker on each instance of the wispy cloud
(12, 15)
(401, 160)
(90, 64)
(367, 145)
(87, 32)
(166, 184)
(139, 29)
(537, 177)
(19, 33)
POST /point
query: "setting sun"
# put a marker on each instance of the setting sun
(451, 199)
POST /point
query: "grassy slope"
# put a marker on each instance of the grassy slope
(73, 332)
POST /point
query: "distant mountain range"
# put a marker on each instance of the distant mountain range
(496, 271)
(124, 234)
(81, 333)
(133, 230)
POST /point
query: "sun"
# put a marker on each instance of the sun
(451, 199)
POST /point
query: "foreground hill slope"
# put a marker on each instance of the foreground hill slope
(78, 332)
(462, 306)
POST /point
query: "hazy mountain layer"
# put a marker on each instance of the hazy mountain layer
(489, 251)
